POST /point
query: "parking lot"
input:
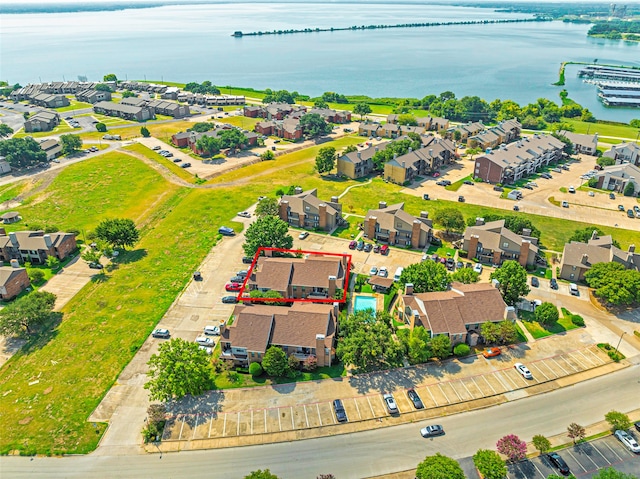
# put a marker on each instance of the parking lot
(584, 460)
(441, 387)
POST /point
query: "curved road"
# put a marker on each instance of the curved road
(361, 454)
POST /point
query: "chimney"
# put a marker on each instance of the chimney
(15, 263)
(408, 289)
(409, 150)
(335, 199)
(359, 156)
(3, 232)
(526, 232)
(594, 235)
(424, 214)
(332, 286)
(47, 241)
(585, 259)
(479, 221)
(382, 205)
(222, 327)
(632, 248)
(298, 190)
(321, 354)
(431, 152)
(14, 239)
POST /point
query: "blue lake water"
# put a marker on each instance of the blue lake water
(193, 43)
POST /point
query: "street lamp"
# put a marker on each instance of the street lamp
(619, 341)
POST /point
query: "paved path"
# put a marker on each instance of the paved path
(354, 186)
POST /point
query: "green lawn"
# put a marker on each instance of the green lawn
(10, 191)
(539, 330)
(162, 131)
(456, 185)
(243, 122)
(58, 130)
(351, 230)
(74, 105)
(603, 129)
(167, 163)
(233, 379)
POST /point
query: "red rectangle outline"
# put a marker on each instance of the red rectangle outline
(293, 300)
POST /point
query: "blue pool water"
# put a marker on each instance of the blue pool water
(364, 302)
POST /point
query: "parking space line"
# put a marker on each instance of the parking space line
(563, 370)
(357, 407)
(579, 463)
(539, 472)
(319, 418)
(565, 360)
(252, 422)
(371, 407)
(548, 369)
(580, 363)
(210, 424)
(445, 396)
(586, 358)
(195, 427)
(224, 425)
(306, 418)
(499, 376)
(515, 386)
(333, 415)
(454, 390)
(485, 380)
(608, 461)
(293, 425)
(467, 389)
(265, 420)
(384, 405)
(539, 370)
(613, 451)
(599, 358)
(181, 427)
(238, 428)
(279, 420)
(432, 397)
(478, 387)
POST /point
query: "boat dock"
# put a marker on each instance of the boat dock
(617, 86)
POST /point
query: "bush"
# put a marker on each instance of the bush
(461, 350)
(577, 320)
(462, 253)
(36, 275)
(255, 369)
(101, 127)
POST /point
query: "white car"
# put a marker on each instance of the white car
(391, 404)
(373, 271)
(628, 440)
(206, 349)
(383, 272)
(522, 369)
(303, 235)
(204, 341)
(244, 214)
(212, 331)
(477, 268)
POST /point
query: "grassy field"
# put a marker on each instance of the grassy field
(74, 105)
(58, 130)
(162, 131)
(231, 380)
(603, 129)
(243, 122)
(9, 192)
(539, 330)
(173, 167)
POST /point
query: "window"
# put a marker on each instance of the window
(505, 245)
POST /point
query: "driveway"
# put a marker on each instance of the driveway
(69, 280)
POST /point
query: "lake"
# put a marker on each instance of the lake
(185, 43)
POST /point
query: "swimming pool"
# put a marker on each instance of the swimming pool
(361, 303)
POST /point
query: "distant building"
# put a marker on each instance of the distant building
(394, 226)
(13, 281)
(358, 164)
(42, 121)
(49, 101)
(123, 110)
(616, 177)
(305, 210)
(35, 246)
(584, 144)
(52, 148)
(624, 152)
(93, 96)
(426, 160)
(493, 243)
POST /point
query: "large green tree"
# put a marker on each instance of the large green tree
(614, 284)
(450, 219)
(465, 275)
(267, 231)
(118, 232)
(22, 152)
(440, 346)
(326, 159)
(426, 276)
(232, 138)
(5, 130)
(547, 313)
(110, 77)
(584, 235)
(611, 473)
(70, 143)
(267, 207)
(618, 420)
(313, 125)
(418, 345)
(26, 313)
(513, 281)
(503, 332)
(275, 362)
(260, 474)
(439, 467)
(541, 443)
(208, 145)
(362, 109)
(179, 368)
(490, 464)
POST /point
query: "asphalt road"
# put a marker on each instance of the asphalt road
(362, 454)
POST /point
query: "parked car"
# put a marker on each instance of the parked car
(233, 286)
(95, 265)
(523, 370)
(161, 333)
(415, 399)
(247, 259)
(557, 170)
(212, 331)
(341, 414)
(612, 196)
(229, 299)
(384, 249)
(527, 186)
(360, 245)
(353, 244)
(244, 214)
(534, 282)
(498, 188)
(572, 189)
(197, 276)
(383, 272)
(206, 349)
(226, 231)
(516, 208)
(236, 279)
(441, 183)
(630, 214)
(637, 426)
(621, 208)
(461, 199)
(303, 235)
(156, 148)
(477, 268)
(242, 273)
(376, 248)
(185, 165)
(373, 271)
(169, 154)
(491, 352)
(459, 265)
(368, 247)
(468, 182)
(557, 462)
(450, 263)
(432, 431)
(627, 440)
(565, 204)
(177, 160)
(391, 404)
(573, 289)
(205, 341)
(553, 283)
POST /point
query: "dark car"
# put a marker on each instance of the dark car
(637, 426)
(197, 276)
(516, 208)
(534, 282)
(237, 279)
(185, 165)
(461, 199)
(459, 265)
(558, 462)
(341, 414)
(498, 188)
(226, 231)
(468, 182)
(229, 299)
(450, 264)
(612, 196)
(160, 333)
(247, 259)
(630, 214)
(376, 248)
(529, 187)
(432, 431)
(177, 160)
(554, 283)
(368, 247)
(415, 399)
(360, 245)
(95, 265)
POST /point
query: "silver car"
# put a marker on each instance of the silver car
(391, 404)
(628, 440)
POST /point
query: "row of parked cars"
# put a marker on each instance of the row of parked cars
(368, 247)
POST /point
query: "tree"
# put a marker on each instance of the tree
(275, 362)
(91, 255)
(208, 145)
(629, 189)
(440, 346)
(426, 276)
(156, 412)
(439, 467)
(22, 152)
(418, 345)
(70, 143)
(267, 207)
(575, 432)
(350, 149)
(635, 123)
(320, 104)
(26, 115)
(201, 127)
(326, 159)
(541, 443)
(118, 232)
(611, 473)
(407, 119)
(5, 130)
(101, 127)
(155, 422)
(129, 94)
(618, 420)
(26, 313)
(547, 313)
(179, 368)
(280, 96)
(255, 369)
(269, 296)
(450, 219)
(313, 125)
(513, 447)
(585, 234)
(233, 139)
(260, 474)
(490, 464)
(103, 87)
(110, 77)
(267, 156)
(144, 131)
(461, 350)
(53, 262)
(267, 231)
(465, 275)
(362, 109)
(513, 281)
(36, 275)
